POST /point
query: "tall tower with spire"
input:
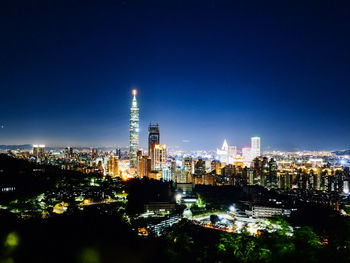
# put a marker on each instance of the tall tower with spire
(134, 131)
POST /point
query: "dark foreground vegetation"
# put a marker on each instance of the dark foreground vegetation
(92, 236)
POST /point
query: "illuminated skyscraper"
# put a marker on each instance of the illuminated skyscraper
(69, 152)
(118, 153)
(39, 150)
(153, 137)
(113, 166)
(255, 147)
(248, 155)
(188, 164)
(159, 157)
(134, 131)
(223, 153)
(227, 153)
(139, 163)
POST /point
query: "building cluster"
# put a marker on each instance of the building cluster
(85, 160)
(234, 167)
(153, 164)
(319, 171)
(230, 155)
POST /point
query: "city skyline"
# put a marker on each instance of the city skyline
(267, 71)
(175, 131)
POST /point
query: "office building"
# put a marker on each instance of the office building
(232, 153)
(118, 153)
(69, 152)
(223, 153)
(188, 164)
(146, 165)
(255, 145)
(248, 156)
(153, 137)
(159, 157)
(139, 163)
(39, 150)
(134, 131)
(227, 153)
(113, 166)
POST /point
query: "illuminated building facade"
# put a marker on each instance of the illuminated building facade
(188, 164)
(134, 131)
(232, 153)
(199, 167)
(153, 137)
(182, 176)
(255, 144)
(223, 153)
(69, 152)
(173, 170)
(227, 154)
(39, 150)
(248, 156)
(139, 163)
(113, 166)
(159, 157)
(145, 168)
(118, 153)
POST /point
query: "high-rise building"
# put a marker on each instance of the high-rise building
(159, 157)
(183, 176)
(118, 153)
(113, 166)
(227, 153)
(188, 164)
(139, 163)
(223, 153)
(134, 131)
(39, 150)
(166, 174)
(248, 156)
(207, 166)
(232, 153)
(94, 153)
(69, 152)
(255, 146)
(199, 167)
(153, 137)
(173, 170)
(145, 167)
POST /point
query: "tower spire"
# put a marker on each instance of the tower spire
(134, 131)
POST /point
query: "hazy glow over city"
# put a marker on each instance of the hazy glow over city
(175, 131)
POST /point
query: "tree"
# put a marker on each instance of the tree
(214, 219)
(242, 248)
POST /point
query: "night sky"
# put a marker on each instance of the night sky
(205, 70)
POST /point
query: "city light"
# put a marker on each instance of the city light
(236, 149)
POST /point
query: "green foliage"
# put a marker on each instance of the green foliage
(241, 247)
(200, 202)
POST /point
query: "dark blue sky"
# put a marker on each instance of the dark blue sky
(205, 70)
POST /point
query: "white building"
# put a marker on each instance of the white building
(227, 154)
(255, 145)
(248, 156)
